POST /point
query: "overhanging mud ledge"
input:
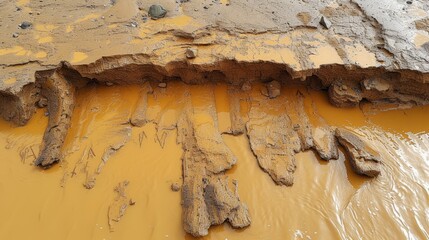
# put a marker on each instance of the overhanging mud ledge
(403, 85)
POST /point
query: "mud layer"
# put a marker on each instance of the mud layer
(211, 84)
(132, 190)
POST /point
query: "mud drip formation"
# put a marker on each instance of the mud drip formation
(59, 93)
(276, 133)
(206, 196)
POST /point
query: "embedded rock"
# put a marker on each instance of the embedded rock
(157, 11)
(273, 89)
(342, 95)
(191, 53)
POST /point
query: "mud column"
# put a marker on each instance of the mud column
(60, 94)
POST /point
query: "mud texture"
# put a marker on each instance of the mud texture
(207, 198)
(361, 156)
(366, 51)
(325, 142)
(60, 95)
(138, 118)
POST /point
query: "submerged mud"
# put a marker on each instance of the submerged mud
(129, 198)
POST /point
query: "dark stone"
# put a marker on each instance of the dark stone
(325, 22)
(25, 25)
(157, 12)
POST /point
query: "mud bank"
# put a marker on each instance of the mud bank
(276, 124)
(132, 189)
(266, 63)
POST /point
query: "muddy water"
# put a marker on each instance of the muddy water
(327, 200)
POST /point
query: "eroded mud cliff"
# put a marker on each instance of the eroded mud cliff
(354, 51)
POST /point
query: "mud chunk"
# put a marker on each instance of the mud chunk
(119, 205)
(361, 156)
(247, 86)
(325, 143)
(138, 117)
(340, 96)
(25, 25)
(157, 11)
(237, 122)
(191, 53)
(60, 95)
(43, 102)
(274, 143)
(273, 89)
(175, 187)
(376, 84)
(206, 195)
(324, 21)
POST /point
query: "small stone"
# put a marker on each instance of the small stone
(162, 85)
(191, 53)
(325, 22)
(175, 187)
(206, 7)
(25, 25)
(18, 9)
(246, 86)
(344, 87)
(409, 2)
(157, 11)
(109, 84)
(134, 24)
(273, 89)
(132, 202)
(15, 35)
(296, 127)
(43, 102)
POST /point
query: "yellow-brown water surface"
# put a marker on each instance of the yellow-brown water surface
(327, 200)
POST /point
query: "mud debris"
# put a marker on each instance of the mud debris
(175, 187)
(274, 88)
(325, 143)
(206, 197)
(138, 118)
(341, 95)
(43, 102)
(237, 122)
(361, 156)
(246, 86)
(118, 207)
(59, 93)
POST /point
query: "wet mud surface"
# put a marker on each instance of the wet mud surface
(214, 119)
(187, 136)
